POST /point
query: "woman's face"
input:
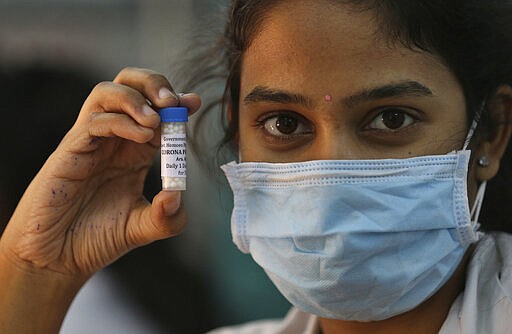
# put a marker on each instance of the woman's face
(319, 82)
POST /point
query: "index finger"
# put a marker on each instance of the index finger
(154, 86)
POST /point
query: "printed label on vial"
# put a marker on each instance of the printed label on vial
(174, 155)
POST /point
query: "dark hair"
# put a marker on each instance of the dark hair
(472, 37)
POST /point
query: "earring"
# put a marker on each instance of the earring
(483, 161)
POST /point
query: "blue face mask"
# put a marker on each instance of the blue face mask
(356, 240)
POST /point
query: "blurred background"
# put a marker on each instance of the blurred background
(52, 53)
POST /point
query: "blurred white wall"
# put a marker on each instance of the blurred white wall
(100, 34)
(104, 35)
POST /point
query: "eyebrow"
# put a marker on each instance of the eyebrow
(400, 89)
(265, 94)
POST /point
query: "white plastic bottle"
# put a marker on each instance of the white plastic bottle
(173, 152)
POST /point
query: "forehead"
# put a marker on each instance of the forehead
(323, 43)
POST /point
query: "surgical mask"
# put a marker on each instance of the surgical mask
(359, 240)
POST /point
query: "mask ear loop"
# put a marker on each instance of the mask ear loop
(474, 124)
(479, 199)
(475, 211)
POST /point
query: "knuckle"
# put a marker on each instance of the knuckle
(101, 86)
(125, 72)
(155, 77)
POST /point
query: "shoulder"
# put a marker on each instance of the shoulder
(503, 242)
(485, 305)
(490, 270)
(493, 258)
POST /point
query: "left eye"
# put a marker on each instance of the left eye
(392, 119)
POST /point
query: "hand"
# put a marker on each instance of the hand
(85, 208)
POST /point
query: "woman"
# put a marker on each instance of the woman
(373, 107)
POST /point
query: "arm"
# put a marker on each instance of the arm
(85, 207)
(32, 301)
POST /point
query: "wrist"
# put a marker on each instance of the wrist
(33, 300)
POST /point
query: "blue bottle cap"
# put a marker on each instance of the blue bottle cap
(174, 114)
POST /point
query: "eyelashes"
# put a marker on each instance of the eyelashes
(288, 125)
(392, 119)
(284, 124)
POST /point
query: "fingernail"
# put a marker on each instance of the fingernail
(171, 206)
(165, 93)
(147, 110)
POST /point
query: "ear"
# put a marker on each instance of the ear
(494, 143)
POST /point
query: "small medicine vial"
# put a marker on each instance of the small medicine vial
(174, 148)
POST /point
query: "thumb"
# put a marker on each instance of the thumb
(164, 218)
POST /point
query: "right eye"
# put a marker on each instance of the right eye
(285, 125)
